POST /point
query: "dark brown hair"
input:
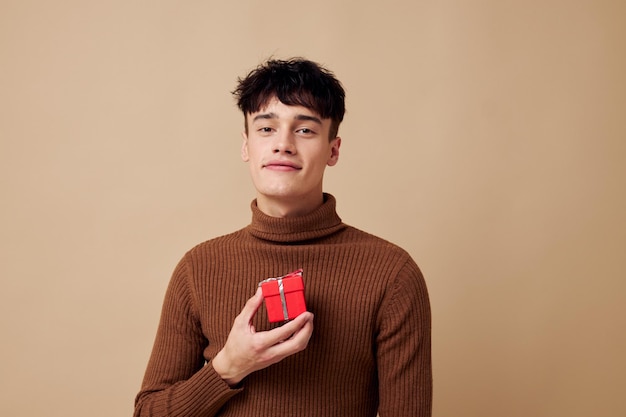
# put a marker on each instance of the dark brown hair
(295, 82)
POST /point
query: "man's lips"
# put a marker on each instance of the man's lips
(279, 165)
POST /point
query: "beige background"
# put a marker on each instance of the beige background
(488, 138)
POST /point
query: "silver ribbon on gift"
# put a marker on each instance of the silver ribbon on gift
(281, 291)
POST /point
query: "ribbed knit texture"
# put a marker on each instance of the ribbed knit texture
(370, 349)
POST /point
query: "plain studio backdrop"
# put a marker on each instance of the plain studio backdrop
(488, 138)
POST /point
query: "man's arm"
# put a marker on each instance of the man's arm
(177, 382)
(404, 347)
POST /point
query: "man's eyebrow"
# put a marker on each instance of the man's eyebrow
(308, 118)
(272, 115)
(265, 116)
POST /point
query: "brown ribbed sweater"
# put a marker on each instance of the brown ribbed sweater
(370, 348)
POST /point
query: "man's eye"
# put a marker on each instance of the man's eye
(265, 129)
(306, 131)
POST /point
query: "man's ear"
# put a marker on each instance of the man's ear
(244, 147)
(334, 151)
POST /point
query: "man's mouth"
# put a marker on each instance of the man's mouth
(282, 166)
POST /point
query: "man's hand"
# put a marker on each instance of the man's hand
(247, 351)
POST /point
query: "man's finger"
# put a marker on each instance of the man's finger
(285, 331)
(294, 342)
(252, 306)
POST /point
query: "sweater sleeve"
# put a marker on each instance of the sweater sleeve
(404, 347)
(177, 382)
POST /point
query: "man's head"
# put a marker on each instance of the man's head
(294, 82)
(292, 113)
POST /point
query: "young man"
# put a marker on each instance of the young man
(367, 350)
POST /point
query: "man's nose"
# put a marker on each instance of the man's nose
(284, 142)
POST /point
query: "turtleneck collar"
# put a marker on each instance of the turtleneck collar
(321, 222)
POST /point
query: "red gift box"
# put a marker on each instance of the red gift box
(284, 296)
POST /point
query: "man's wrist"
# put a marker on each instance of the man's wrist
(224, 371)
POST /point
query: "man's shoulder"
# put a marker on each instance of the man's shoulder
(217, 242)
(360, 237)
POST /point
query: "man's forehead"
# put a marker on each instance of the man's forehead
(275, 108)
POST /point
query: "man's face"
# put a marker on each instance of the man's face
(288, 149)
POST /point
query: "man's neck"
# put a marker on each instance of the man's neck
(294, 207)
